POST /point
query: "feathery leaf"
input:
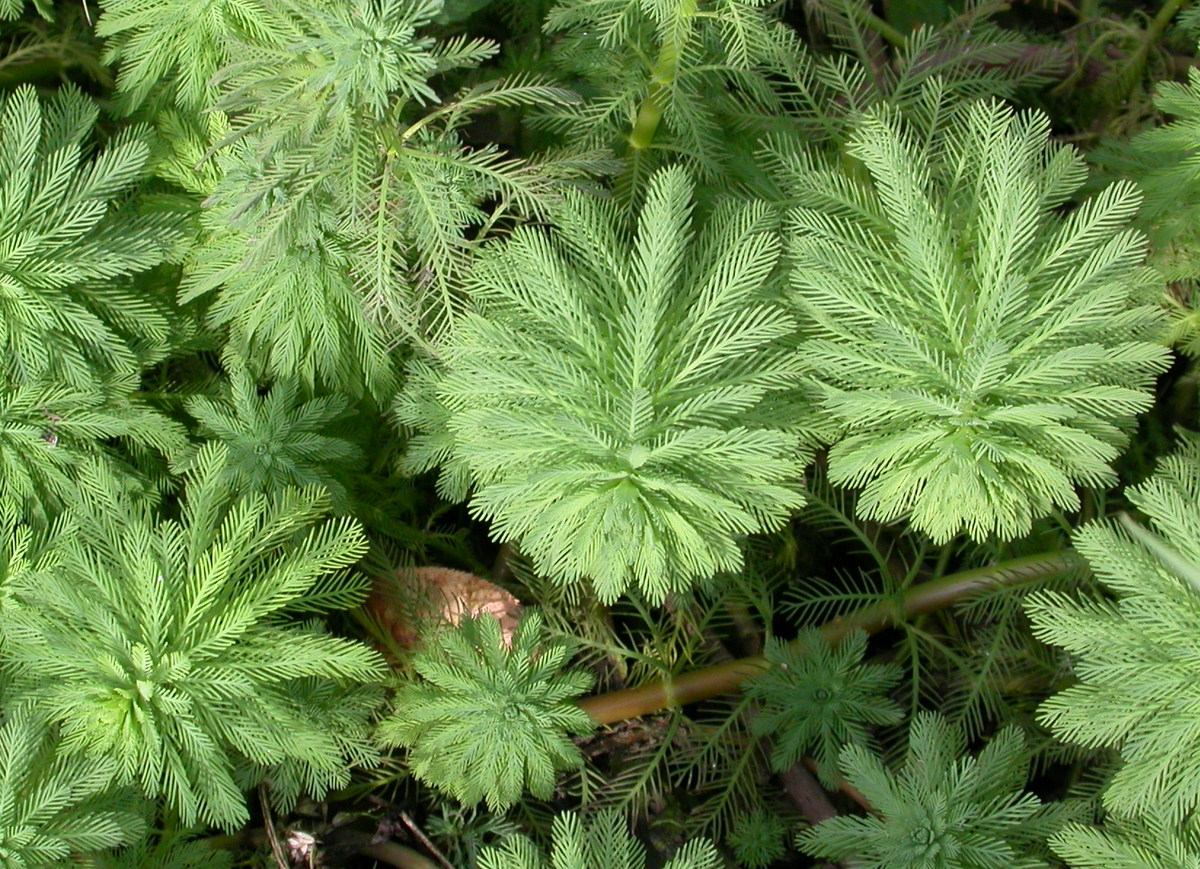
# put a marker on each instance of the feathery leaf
(609, 402)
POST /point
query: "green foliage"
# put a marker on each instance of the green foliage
(699, 305)
(942, 810)
(1008, 348)
(353, 58)
(611, 403)
(10, 9)
(276, 440)
(291, 309)
(462, 831)
(159, 650)
(181, 42)
(48, 431)
(486, 721)
(330, 730)
(757, 839)
(75, 329)
(168, 851)
(999, 668)
(671, 76)
(1130, 844)
(816, 699)
(598, 842)
(340, 215)
(52, 806)
(825, 95)
(1136, 691)
(67, 238)
(1162, 160)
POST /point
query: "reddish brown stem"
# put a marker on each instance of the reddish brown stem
(727, 677)
(807, 795)
(844, 786)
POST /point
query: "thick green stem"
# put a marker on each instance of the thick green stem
(1154, 33)
(1165, 14)
(728, 677)
(649, 114)
(663, 76)
(880, 27)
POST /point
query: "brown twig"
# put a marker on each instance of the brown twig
(807, 795)
(269, 824)
(397, 855)
(728, 677)
(424, 840)
(844, 786)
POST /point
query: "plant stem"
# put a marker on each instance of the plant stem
(1153, 34)
(663, 75)
(879, 26)
(1158, 26)
(272, 834)
(807, 795)
(727, 677)
(649, 114)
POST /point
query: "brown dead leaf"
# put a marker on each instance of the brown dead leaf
(407, 600)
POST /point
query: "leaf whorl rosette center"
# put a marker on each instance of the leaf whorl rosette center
(608, 406)
(490, 721)
(984, 354)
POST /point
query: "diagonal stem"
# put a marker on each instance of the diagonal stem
(727, 677)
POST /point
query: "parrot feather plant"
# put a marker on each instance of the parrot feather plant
(598, 434)
(610, 408)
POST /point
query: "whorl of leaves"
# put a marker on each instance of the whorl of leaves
(277, 440)
(943, 810)
(158, 648)
(1137, 689)
(758, 839)
(489, 722)
(984, 354)
(816, 699)
(602, 841)
(610, 403)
